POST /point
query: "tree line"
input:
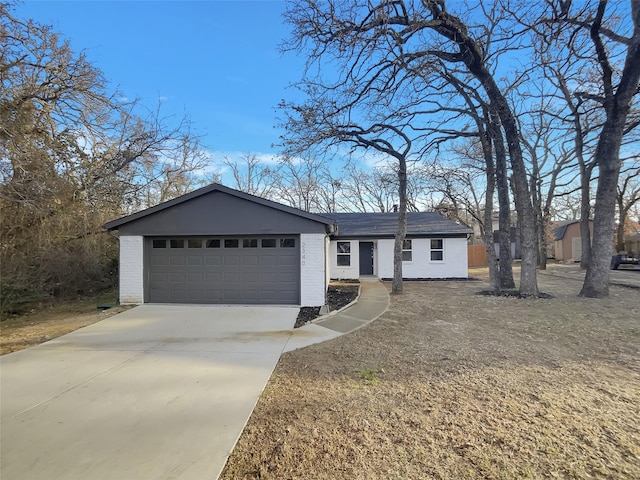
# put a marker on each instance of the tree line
(542, 94)
(74, 153)
(496, 105)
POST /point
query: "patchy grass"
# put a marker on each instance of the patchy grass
(449, 384)
(41, 325)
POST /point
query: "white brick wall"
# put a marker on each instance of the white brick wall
(351, 271)
(313, 286)
(131, 269)
(454, 264)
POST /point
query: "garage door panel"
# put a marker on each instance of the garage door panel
(238, 272)
(176, 260)
(157, 261)
(195, 278)
(231, 260)
(250, 277)
(288, 260)
(194, 260)
(213, 277)
(269, 260)
(213, 260)
(177, 277)
(232, 277)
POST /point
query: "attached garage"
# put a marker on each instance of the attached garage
(229, 270)
(217, 245)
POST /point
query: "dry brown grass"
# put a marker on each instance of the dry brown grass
(448, 384)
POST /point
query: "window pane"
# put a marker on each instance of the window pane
(213, 243)
(344, 247)
(269, 243)
(436, 255)
(250, 243)
(160, 243)
(177, 243)
(436, 244)
(231, 243)
(406, 255)
(344, 260)
(287, 243)
(406, 245)
(194, 243)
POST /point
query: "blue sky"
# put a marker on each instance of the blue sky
(215, 61)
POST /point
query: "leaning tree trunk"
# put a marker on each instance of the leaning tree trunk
(473, 57)
(396, 284)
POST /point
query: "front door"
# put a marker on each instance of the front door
(366, 258)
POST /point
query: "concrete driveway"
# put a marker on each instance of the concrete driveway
(157, 392)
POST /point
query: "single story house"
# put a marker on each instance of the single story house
(217, 245)
(363, 243)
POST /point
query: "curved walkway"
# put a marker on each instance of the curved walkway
(372, 302)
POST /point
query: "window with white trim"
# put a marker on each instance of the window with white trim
(437, 249)
(407, 254)
(343, 254)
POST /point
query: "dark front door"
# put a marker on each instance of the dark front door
(366, 258)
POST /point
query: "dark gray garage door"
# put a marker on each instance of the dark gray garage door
(233, 270)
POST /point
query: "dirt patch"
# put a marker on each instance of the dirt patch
(448, 384)
(20, 332)
(339, 295)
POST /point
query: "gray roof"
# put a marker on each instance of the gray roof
(386, 225)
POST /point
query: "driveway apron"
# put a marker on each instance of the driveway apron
(157, 392)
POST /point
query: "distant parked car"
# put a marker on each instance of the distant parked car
(624, 259)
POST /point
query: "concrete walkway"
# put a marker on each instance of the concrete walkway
(372, 302)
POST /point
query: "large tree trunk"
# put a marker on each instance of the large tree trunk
(504, 206)
(585, 216)
(396, 284)
(617, 106)
(596, 282)
(472, 54)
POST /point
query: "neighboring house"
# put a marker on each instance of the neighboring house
(217, 245)
(567, 244)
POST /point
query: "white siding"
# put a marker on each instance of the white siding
(131, 269)
(453, 265)
(313, 283)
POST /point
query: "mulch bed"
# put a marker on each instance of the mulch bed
(339, 295)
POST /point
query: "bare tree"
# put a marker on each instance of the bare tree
(252, 176)
(389, 44)
(72, 156)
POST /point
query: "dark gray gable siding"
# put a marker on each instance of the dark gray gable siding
(218, 213)
(385, 225)
(219, 210)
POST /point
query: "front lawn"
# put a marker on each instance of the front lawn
(449, 384)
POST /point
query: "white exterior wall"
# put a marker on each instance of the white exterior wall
(345, 272)
(131, 269)
(313, 276)
(453, 265)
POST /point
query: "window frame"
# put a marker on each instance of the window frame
(344, 256)
(407, 241)
(433, 250)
